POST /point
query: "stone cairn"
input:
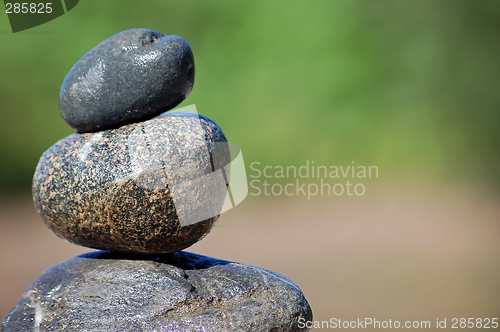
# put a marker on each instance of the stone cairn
(109, 187)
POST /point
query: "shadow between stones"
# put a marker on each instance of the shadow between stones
(181, 259)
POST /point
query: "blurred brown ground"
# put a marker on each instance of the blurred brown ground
(400, 252)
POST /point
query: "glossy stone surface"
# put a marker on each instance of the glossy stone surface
(175, 292)
(114, 190)
(132, 76)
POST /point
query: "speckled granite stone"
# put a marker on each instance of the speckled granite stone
(132, 76)
(175, 292)
(109, 190)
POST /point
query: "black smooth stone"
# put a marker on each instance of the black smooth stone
(130, 77)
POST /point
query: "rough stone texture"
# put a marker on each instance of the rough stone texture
(109, 190)
(174, 292)
(132, 76)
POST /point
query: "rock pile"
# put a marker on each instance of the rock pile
(111, 187)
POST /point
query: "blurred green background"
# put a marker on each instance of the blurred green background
(409, 86)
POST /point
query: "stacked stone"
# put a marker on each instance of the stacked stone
(107, 187)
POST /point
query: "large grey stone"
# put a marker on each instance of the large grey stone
(120, 189)
(130, 77)
(182, 291)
